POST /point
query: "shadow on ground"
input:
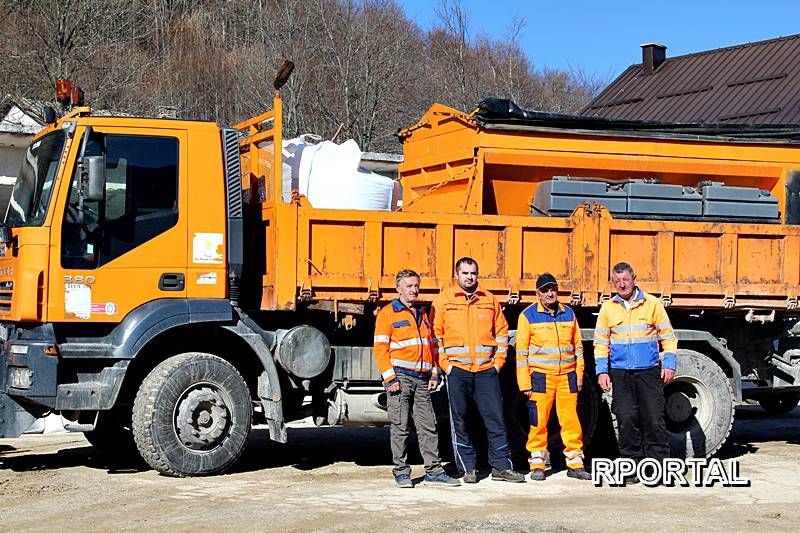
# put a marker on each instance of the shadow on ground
(310, 448)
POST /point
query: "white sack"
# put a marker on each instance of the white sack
(328, 174)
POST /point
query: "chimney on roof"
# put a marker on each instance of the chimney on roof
(653, 54)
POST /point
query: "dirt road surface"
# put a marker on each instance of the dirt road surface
(338, 479)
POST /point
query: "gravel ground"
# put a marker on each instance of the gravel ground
(338, 479)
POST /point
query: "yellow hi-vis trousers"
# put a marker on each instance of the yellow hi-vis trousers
(563, 390)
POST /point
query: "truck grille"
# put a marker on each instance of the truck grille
(6, 292)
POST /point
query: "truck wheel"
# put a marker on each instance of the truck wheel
(112, 437)
(192, 415)
(699, 406)
(779, 405)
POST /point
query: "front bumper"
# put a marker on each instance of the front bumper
(22, 401)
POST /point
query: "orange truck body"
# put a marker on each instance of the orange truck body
(467, 190)
(483, 211)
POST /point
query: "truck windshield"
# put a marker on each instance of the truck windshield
(31, 194)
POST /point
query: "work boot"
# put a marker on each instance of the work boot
(470, 476)
(537, 474)
(403, 481)
(579, 473)
(441, 479)
(507, 475)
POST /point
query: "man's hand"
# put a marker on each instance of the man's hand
(604, 381)
(497, 368)
(432, 384)
(580, 384)
(393, 388)
(449, 369)
(667, 375)
(527, 393)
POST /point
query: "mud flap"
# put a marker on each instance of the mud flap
(269, 389)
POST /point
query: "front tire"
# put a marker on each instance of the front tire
(192, 415)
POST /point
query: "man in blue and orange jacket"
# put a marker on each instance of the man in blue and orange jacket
(630, 327)
(550, 370)
(404, 353)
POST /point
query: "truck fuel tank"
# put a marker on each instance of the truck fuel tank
(303, 351)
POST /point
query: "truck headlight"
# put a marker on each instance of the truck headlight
(20, 378)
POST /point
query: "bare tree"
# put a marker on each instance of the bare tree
(363, 67)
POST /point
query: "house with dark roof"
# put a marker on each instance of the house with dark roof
(20, 119)
(754, 83)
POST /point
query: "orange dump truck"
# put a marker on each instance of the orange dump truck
(160, 291)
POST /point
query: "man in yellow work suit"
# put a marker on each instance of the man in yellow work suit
(550, 369)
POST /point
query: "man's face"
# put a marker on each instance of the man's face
(624, 283)
(548, 296)
(467, 277)
(408, 289)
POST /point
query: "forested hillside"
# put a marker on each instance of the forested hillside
(361, 65)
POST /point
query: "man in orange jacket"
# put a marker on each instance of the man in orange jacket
(472, 337)
(550, 370)
(403, 347)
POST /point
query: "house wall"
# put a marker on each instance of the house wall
(10, 160)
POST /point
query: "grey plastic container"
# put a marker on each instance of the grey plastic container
(720, 200)
(663, 199)
(560, 196)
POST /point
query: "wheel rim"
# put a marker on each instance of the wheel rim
(689, 404)
(202, 418)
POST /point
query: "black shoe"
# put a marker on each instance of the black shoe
(470, 476)
(579, 473)
(507, 475)
(537, 474)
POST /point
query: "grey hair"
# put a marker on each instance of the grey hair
(621, 267)
(403, 274)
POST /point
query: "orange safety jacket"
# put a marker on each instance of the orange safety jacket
(547, 343)
(403, 343)
(470, 334)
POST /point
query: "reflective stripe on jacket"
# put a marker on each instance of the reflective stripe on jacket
(630, 337)
(471, 334)
(546, 343)
(403, 343)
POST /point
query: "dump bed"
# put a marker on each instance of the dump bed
(468, 185)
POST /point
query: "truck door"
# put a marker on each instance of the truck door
(115, 254)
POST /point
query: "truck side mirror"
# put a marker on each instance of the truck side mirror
(49, 114)
(93, 178)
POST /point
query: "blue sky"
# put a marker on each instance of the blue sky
(603, 38)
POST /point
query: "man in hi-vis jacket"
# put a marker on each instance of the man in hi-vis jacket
(630, 328)
(472, 335)
(550, 370)
(404, 353)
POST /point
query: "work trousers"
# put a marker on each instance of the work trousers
(483, 389)
(561, 389)
(413, 400)
(638, 404)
